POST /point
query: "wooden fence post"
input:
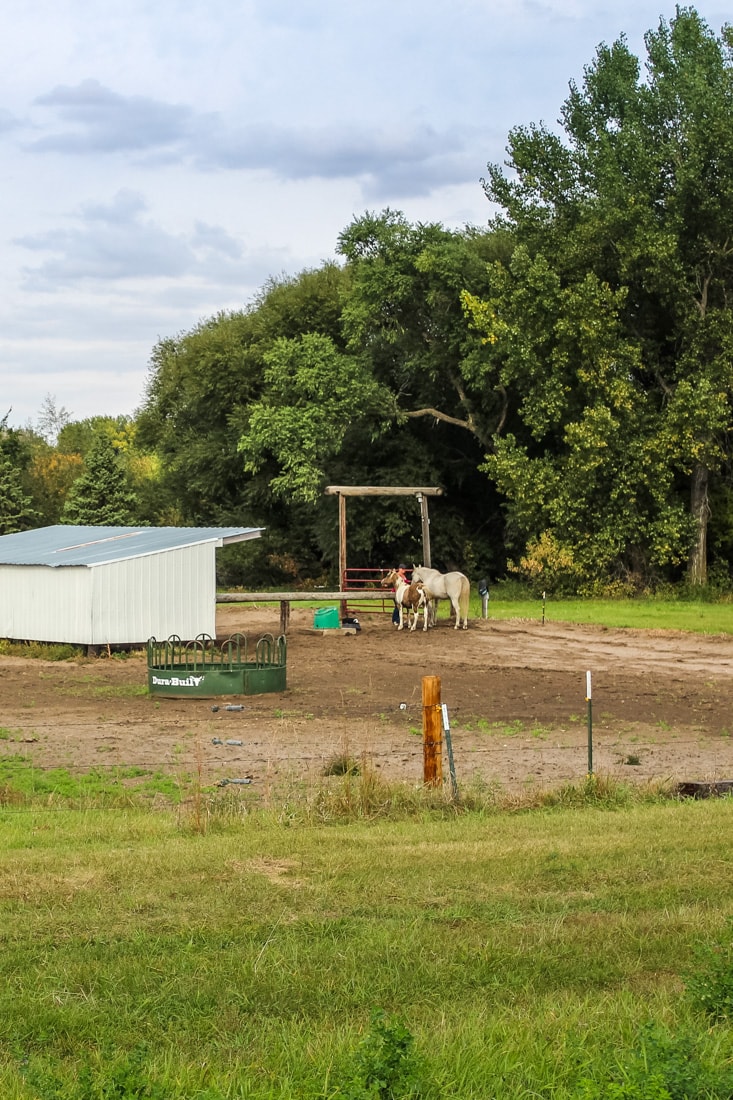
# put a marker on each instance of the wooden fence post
(432, 732)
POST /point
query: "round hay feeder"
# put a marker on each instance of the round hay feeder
(204, 667)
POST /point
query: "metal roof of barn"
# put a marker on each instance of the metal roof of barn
(89, 546)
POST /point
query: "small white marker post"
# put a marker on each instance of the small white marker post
(589, 701)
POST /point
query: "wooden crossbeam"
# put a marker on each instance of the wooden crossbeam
(383, 490)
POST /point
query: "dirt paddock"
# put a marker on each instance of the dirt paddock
(662, 705)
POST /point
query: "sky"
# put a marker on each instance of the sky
(160, 162)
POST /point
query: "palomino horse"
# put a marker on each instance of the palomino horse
(411, 596)
(446, 586)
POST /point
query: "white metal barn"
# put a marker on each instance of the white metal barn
(111, 585)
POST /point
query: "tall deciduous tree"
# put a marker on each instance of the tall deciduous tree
(638, 192)
(52, 419)
(50, 476)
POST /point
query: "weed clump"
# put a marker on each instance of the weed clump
(342, 764)
(385, 1065)
(711, 985)
(662, 1067)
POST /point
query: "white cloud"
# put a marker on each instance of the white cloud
(106, 121)
(117, 242)
(108, 243)
(396, 159)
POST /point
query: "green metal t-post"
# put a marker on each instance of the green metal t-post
(589, 701)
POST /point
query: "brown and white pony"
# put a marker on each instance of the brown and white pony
(413, 597)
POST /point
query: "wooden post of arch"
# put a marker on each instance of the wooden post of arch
(419, 491)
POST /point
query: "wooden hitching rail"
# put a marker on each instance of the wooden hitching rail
(286, 598)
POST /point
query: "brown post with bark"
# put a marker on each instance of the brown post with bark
(432, 732)
(697, 565)
(425, 521)
(342, 550)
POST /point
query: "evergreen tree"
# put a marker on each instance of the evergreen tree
(101, 496)
(16, 506)
(16, 510)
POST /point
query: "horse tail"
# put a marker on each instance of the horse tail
(464, 597)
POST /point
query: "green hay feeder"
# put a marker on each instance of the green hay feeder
(204, 668)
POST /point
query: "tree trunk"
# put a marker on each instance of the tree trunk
(697, 565)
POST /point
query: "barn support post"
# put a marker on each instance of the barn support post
(432, 732)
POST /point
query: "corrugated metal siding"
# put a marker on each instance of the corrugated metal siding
(120, 603)
(160, 595)
(45, 605)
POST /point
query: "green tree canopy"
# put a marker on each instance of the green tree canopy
(201, 387)
(394, 397)
(314, 393)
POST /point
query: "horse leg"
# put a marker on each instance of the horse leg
(457, 609)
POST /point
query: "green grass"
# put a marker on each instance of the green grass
(95, 688)
(235, 953)
(23, 783)
(40, 650)
(643, 614)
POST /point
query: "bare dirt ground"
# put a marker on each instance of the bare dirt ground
(662, 705)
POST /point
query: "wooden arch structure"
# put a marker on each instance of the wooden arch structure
(421, 492)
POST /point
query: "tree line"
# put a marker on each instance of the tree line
(564, 373)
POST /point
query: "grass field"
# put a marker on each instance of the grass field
(364, 943)
(190, 954)
(642, 614)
